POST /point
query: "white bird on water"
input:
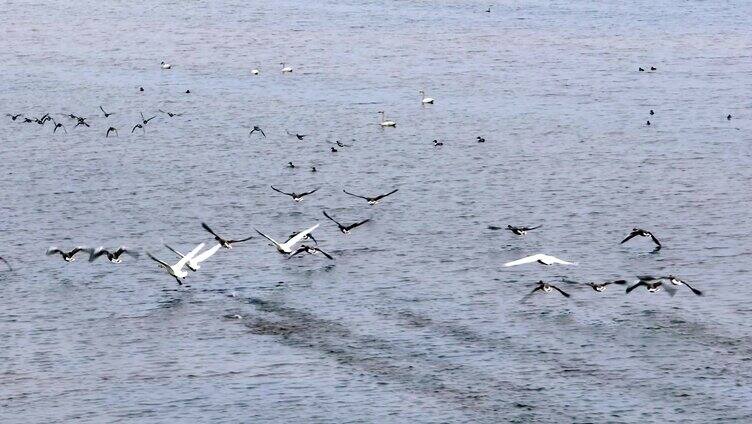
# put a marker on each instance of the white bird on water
(541, 259)
(384, 122)
(255, 71)
(177, 269)
(287, 246)
(426, 100)
(285, 69)
(193, 263)
(166, 65)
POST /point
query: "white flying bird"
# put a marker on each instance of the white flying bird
(177, 269)
(287, 246)
(541, 259)
(193, 263)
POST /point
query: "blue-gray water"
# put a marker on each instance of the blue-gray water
(416, 320)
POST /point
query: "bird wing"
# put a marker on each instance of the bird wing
(122, 250)
(531, 228)
(357, 224)
(525, 260)
(181, 263)
(269, 238)
(384, 195)
(332, 219)
(163, 264)
(629, 237)
(206, 227)
(308, 192)
(280, 191)
(206, 254)
(300, 250)
(655, 240)
(641, 283)
(296, 238)
(694, 290)
(53, 251)
(134, 127)
(76, 250)
(618, 282)
(262, 132)
(94, 254)
(554, 260)
(175, 251)
(355, 195)
(494, 228)
(328, 256)
(147, 120)
(10, 268)
(239, 241)
(563, 293)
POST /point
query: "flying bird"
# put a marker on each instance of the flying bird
(177, 270)
(257, 128)
(298, 136)
(541, 259)
(521, 231)
(170, 114)
(144, 120)
(652, 284)
(599, 287)
(67, 256)
(58, 125)
(345, 229)
(642, 233)
(106, 115)
(194, 263)
(298, 197)
(287, 246)
(14, 117)
(310, 250)
(113, 129)
(226, 243)
(113, 257)
(546, 288)
(372, 200)
(138, 126)
(679, 282)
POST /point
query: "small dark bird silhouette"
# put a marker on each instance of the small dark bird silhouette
(651, 112)
(647, 123)
(113, 257)
(372, 200)
(481, 139)
(653, 68)
(311, 250)
(256, 128)
(138, 126)
(106, 115)
(146, 121)
(140, 88)
(67, 256)
(112, 129)
(334, 150)
(14, 117)
(81, 121)
(641, 70)
(298, 197)
(437, 143)
(290, 165)
(187, 91)
(227, 244)
(642, 233)
(170, 114)
(345, 229)
(299, 136)
(728, 117)
(58, 125)
(313, 169)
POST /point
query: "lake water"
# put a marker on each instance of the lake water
(415, 320)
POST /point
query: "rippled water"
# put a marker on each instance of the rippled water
(416, 320)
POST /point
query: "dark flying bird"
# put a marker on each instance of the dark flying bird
(311, 250)
(372, 200)
(113, 129)
(341, 144)
(480, 139)
(334, 150)
(67, 256)
(113, 257)
(679, 282)
(106, 115)
(521, 231)
(547, 288)
(437, 143)
(14, 117)
(256, 128)
(599, 287)
(653, 68)
(226, 243)
(81, 121)
(345, 229)
(299, 136)
(298, 197)
(170, 114)
(144, 120)
(642, 233)
(138, 126)
(58, 125)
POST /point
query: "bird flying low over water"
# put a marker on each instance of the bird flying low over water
(546, 288)
(177, 270)
(170, 114)
(541, 259)
(298, 197)
(194, 263)
(642, 233)
(112, 129)
(287, 246)
(652, 284)
(113, 257)
(226, 243)
(257, 128)
(345, 229)
(679, 282)
(599, 287)
(106, 115)
(67, 256)
(520, 231)
(372, 200)
(310, 250)
(296, 135)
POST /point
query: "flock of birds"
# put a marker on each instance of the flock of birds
(192, 260)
